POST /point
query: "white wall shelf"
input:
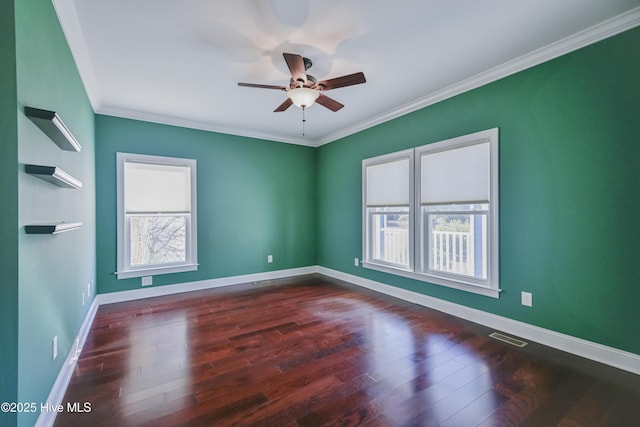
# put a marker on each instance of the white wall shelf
(52, 228)
(54, 175)
(53, 126)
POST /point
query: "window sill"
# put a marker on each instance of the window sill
(127, 274)
(468, 287)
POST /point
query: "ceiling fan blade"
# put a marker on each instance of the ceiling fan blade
(349, 80)
(286, 104)
(296, 67)
(329, 103)
(262, 86)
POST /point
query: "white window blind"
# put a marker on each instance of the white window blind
(456, 175)
(388, 184)
(153, 188)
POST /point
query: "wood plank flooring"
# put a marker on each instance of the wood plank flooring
(313, 351)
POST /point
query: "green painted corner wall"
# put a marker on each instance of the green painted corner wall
(570, 193)
(255, 198)
(8, 213)
(53, 271)
(569, 190)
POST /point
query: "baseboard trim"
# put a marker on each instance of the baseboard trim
(47, 418)
(159, 291)
(600, 353)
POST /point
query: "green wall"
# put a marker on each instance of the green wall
(54, 271)
(8, 213)
(255, 198)
(569, 190)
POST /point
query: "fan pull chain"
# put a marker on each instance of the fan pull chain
(303, 120)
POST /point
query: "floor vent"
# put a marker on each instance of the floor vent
(508, 339)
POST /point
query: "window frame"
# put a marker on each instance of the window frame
(124, 268)
(367, 248)
(418, 239)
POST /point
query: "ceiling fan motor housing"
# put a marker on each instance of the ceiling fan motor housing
(311, 82)
(307, 64)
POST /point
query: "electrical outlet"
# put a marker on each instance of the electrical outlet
(527, 299)
(83, 298)
(356, 262)
(147, 280)
(89, 288)
(55, 347)
(269, 258)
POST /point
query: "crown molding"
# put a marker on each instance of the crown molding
(68, 17)
(70, 24)
(198, 125)
(596, 33)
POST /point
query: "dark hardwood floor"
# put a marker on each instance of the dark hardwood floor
(314, 351)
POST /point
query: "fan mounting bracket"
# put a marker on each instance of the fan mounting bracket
(307, 63)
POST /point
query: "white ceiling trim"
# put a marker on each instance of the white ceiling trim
(70, 23)
(194, 124)
(73, 32)
(601, 31)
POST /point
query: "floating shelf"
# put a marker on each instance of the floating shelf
(54, 175)
(53, 228)
(53, 126)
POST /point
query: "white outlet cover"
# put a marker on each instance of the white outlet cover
(269, 258)
(147, 280)
(55, 347)
(527, 299)
(356, 262)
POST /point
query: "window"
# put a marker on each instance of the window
(452, 192)
(387, 182)
(156, 215)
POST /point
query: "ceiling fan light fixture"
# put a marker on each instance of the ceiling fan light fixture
(303, 97)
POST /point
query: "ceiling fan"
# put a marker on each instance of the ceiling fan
(304, 89)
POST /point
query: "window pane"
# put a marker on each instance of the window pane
(458, 242)
(158, 239)
(390, 235)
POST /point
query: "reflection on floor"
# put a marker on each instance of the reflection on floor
(314, 351)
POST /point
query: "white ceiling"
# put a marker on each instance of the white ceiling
(178, 62)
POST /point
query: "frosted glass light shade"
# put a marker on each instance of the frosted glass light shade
(303, 96)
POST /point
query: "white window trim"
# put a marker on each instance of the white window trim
(366, 244)
(123, 270)
(489, 287)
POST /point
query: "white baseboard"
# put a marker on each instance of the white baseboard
(600, 353)
(47, 418)
(158, 291)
